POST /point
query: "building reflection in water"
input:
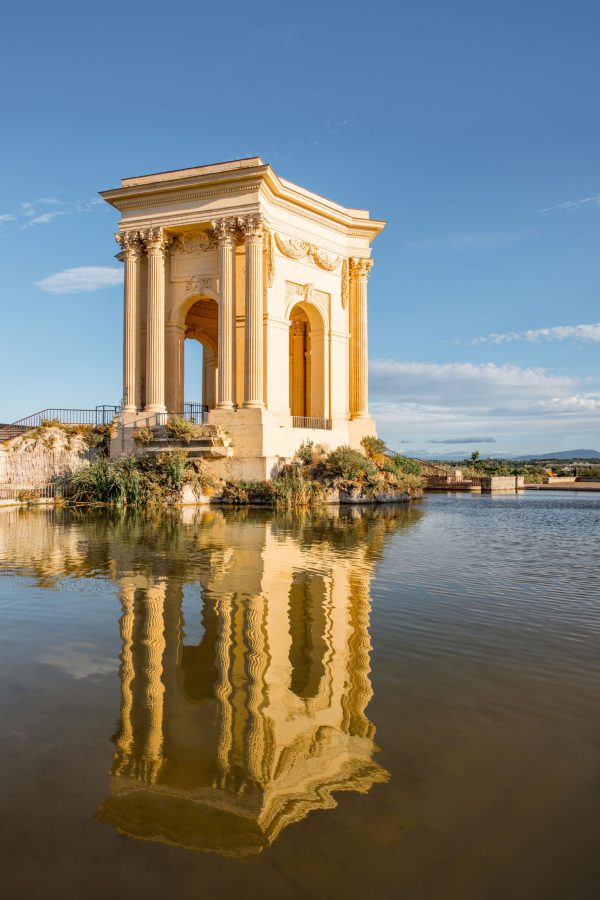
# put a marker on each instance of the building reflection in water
(223, 743)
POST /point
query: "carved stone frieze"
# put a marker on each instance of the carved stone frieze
(297, 249)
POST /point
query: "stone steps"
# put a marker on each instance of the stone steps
(206, 447)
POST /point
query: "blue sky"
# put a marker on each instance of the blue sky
(472, 127)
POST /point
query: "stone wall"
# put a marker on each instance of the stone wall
(42, 455)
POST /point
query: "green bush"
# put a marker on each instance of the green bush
(292, 490)
(179, 429)
(406, 465)
(350, 465)
(107, 481)
(304, 453)
(373, 446)
(246, 492)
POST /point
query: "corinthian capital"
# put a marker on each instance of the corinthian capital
(360, 267)
(129, 242)
(223, 230)
(155, 239)
(253, 226)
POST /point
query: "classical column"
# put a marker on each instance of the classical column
(359, 357)
(156, 242)
(224, 687)
(174, 350)
(253, 364)
(153, 640)
(359, 646)
(256, 659)
(127, 673)
(131, 255)
(224, 230)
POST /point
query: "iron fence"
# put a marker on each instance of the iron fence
(29, 493)
(311, 422)
(100, 415)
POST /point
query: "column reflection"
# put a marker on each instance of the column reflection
(224, 742)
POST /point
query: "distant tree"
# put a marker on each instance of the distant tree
(475, 457)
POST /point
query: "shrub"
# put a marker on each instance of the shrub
(292, 490)
(180, 429)
(143, 436)
(304, 453)
(245, 492)
(373, 446)
(349, 465)
(406, 465)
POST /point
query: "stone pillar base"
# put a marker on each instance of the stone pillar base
(360, 428)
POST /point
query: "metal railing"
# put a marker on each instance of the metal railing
(194, 412)
(311, 422)
(100, 415)
(28, 493)
(427, 468)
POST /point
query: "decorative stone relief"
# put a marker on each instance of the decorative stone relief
(194, 242)
(198, 284)
(129, 242)
(297, 329)
(345, 284)
(306, 291)
(223, 230)
(360, 267)
(253, 226)
(297, 249)
(269, 258)
(155, 239)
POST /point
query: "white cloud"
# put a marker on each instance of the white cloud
(584, 332)
(472, 240)
(47, 217)
(463, 440)
(573, 404)
(427, 382)
(575, 204)
(45, 210)
(81, 280)
(419, 401)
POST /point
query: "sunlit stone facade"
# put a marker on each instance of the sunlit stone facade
(271, 279)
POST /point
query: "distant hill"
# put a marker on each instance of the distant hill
(563, 454)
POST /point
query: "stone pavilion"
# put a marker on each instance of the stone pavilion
(271, 279)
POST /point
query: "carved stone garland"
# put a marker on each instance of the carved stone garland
(345, 284)
(296, 249)
(269, 257)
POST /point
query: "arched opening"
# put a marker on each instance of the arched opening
(307, 362)
(200, 369)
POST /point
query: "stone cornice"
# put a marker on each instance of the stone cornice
(205, 182)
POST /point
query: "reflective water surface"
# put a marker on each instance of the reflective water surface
(400, 702)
